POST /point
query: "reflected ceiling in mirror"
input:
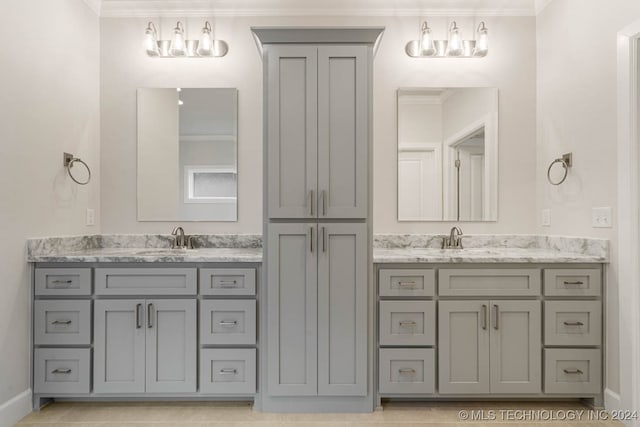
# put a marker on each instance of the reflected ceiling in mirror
(448, 154)
(187, 154)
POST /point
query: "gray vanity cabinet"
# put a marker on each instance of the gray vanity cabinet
(317, 313)
(489, 347)
(145, 346)
(317, 137)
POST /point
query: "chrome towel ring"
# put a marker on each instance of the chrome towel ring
(68, 161)
(566, 161)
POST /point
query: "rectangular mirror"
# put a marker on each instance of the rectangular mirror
(448, 154)
(187, 154)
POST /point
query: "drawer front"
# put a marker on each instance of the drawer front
(567, 282)
(227, 281)
(228, 371)
(573, 371)
(402, 282)
(61, 370)
(63, 281)
(62, 323)
(407, 371)
(228, 322)
(146, 281)
(489, 282)
(569, 323)
(408, 323)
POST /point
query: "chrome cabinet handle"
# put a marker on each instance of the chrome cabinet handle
(409, 284)
(483, 316)
(324, 239)
(57, 282)
(228, 282)
(61, 322)
(138, 316)
(323, 199)
(496, 325)
(311, 239)
(61, 371)
(572, 371)
(228, 323)
(407, 323)
(150, 315)
(573, 323)
(407, 371)
(577, 282)
(228, 371)
(311, 202)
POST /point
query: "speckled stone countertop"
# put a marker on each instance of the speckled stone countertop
(388, 248)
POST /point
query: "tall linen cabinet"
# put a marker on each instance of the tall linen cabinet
(317, 118)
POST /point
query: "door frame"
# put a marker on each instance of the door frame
(628, 220)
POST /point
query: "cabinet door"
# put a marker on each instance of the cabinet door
(119, 346)
(171, 346)
(292, 143)
(515, 348)
(342, 309)
(292, 309)
(463, 351)
(343, 128)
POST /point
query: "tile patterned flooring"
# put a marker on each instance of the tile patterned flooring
(400, 414)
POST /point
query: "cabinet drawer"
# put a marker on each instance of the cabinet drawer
(228, 371)
(62, 322)
(572, 371)
(407, 371)
(63, 281)
(407, 323)
(228, 322)
(146, 281)
(569, 323)
(227, 281)
(61, 370)
(563, 282)
(403, 282)
(489, 282)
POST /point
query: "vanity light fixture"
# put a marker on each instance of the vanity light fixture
(180, 47)
(453, 47)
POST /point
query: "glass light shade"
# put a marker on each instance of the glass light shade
(205, 48)
(427, 47)
(178, 44)
(455, 45)
(482, 41)
(151, 40)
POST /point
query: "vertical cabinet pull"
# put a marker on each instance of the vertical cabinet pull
(324, 239)
(150, 315)
(323, 198)
(311, 202)
(496, 325)
(483, 316)
(311, 239)
(138, 316)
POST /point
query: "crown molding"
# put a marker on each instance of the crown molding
(94, 5)
(540, 5)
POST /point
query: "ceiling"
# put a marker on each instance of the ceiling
(186, 8)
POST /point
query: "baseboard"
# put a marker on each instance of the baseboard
(611, 400)
(15, 409)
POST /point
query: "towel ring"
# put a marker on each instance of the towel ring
(68, 162)
(566, 161)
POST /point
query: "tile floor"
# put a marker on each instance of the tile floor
(399, 414)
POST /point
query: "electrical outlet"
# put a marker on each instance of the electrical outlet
(601, 217)
(91, 216)
(546, 217)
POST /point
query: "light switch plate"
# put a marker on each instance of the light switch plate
(601, 217)
(91, 216)
(546, 217)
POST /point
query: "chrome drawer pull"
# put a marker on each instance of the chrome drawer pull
(228, 283)
(57, 282)
(572, 371)
(407, 323)
(61, 371)
(228, 371)
(407, 284)
(228, 323)
(577, 282)
(407, 371)
(573, 323)
(61, 322)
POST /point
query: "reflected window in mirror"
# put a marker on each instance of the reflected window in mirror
(187, 154)
(447, 154)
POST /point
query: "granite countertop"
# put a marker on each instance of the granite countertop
(142, 255)
(481, 255)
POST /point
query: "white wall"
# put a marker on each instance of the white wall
(510, 67)
(49, 104)
(576, 112)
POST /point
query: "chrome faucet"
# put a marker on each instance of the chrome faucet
(181, 241)
(454, 241)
